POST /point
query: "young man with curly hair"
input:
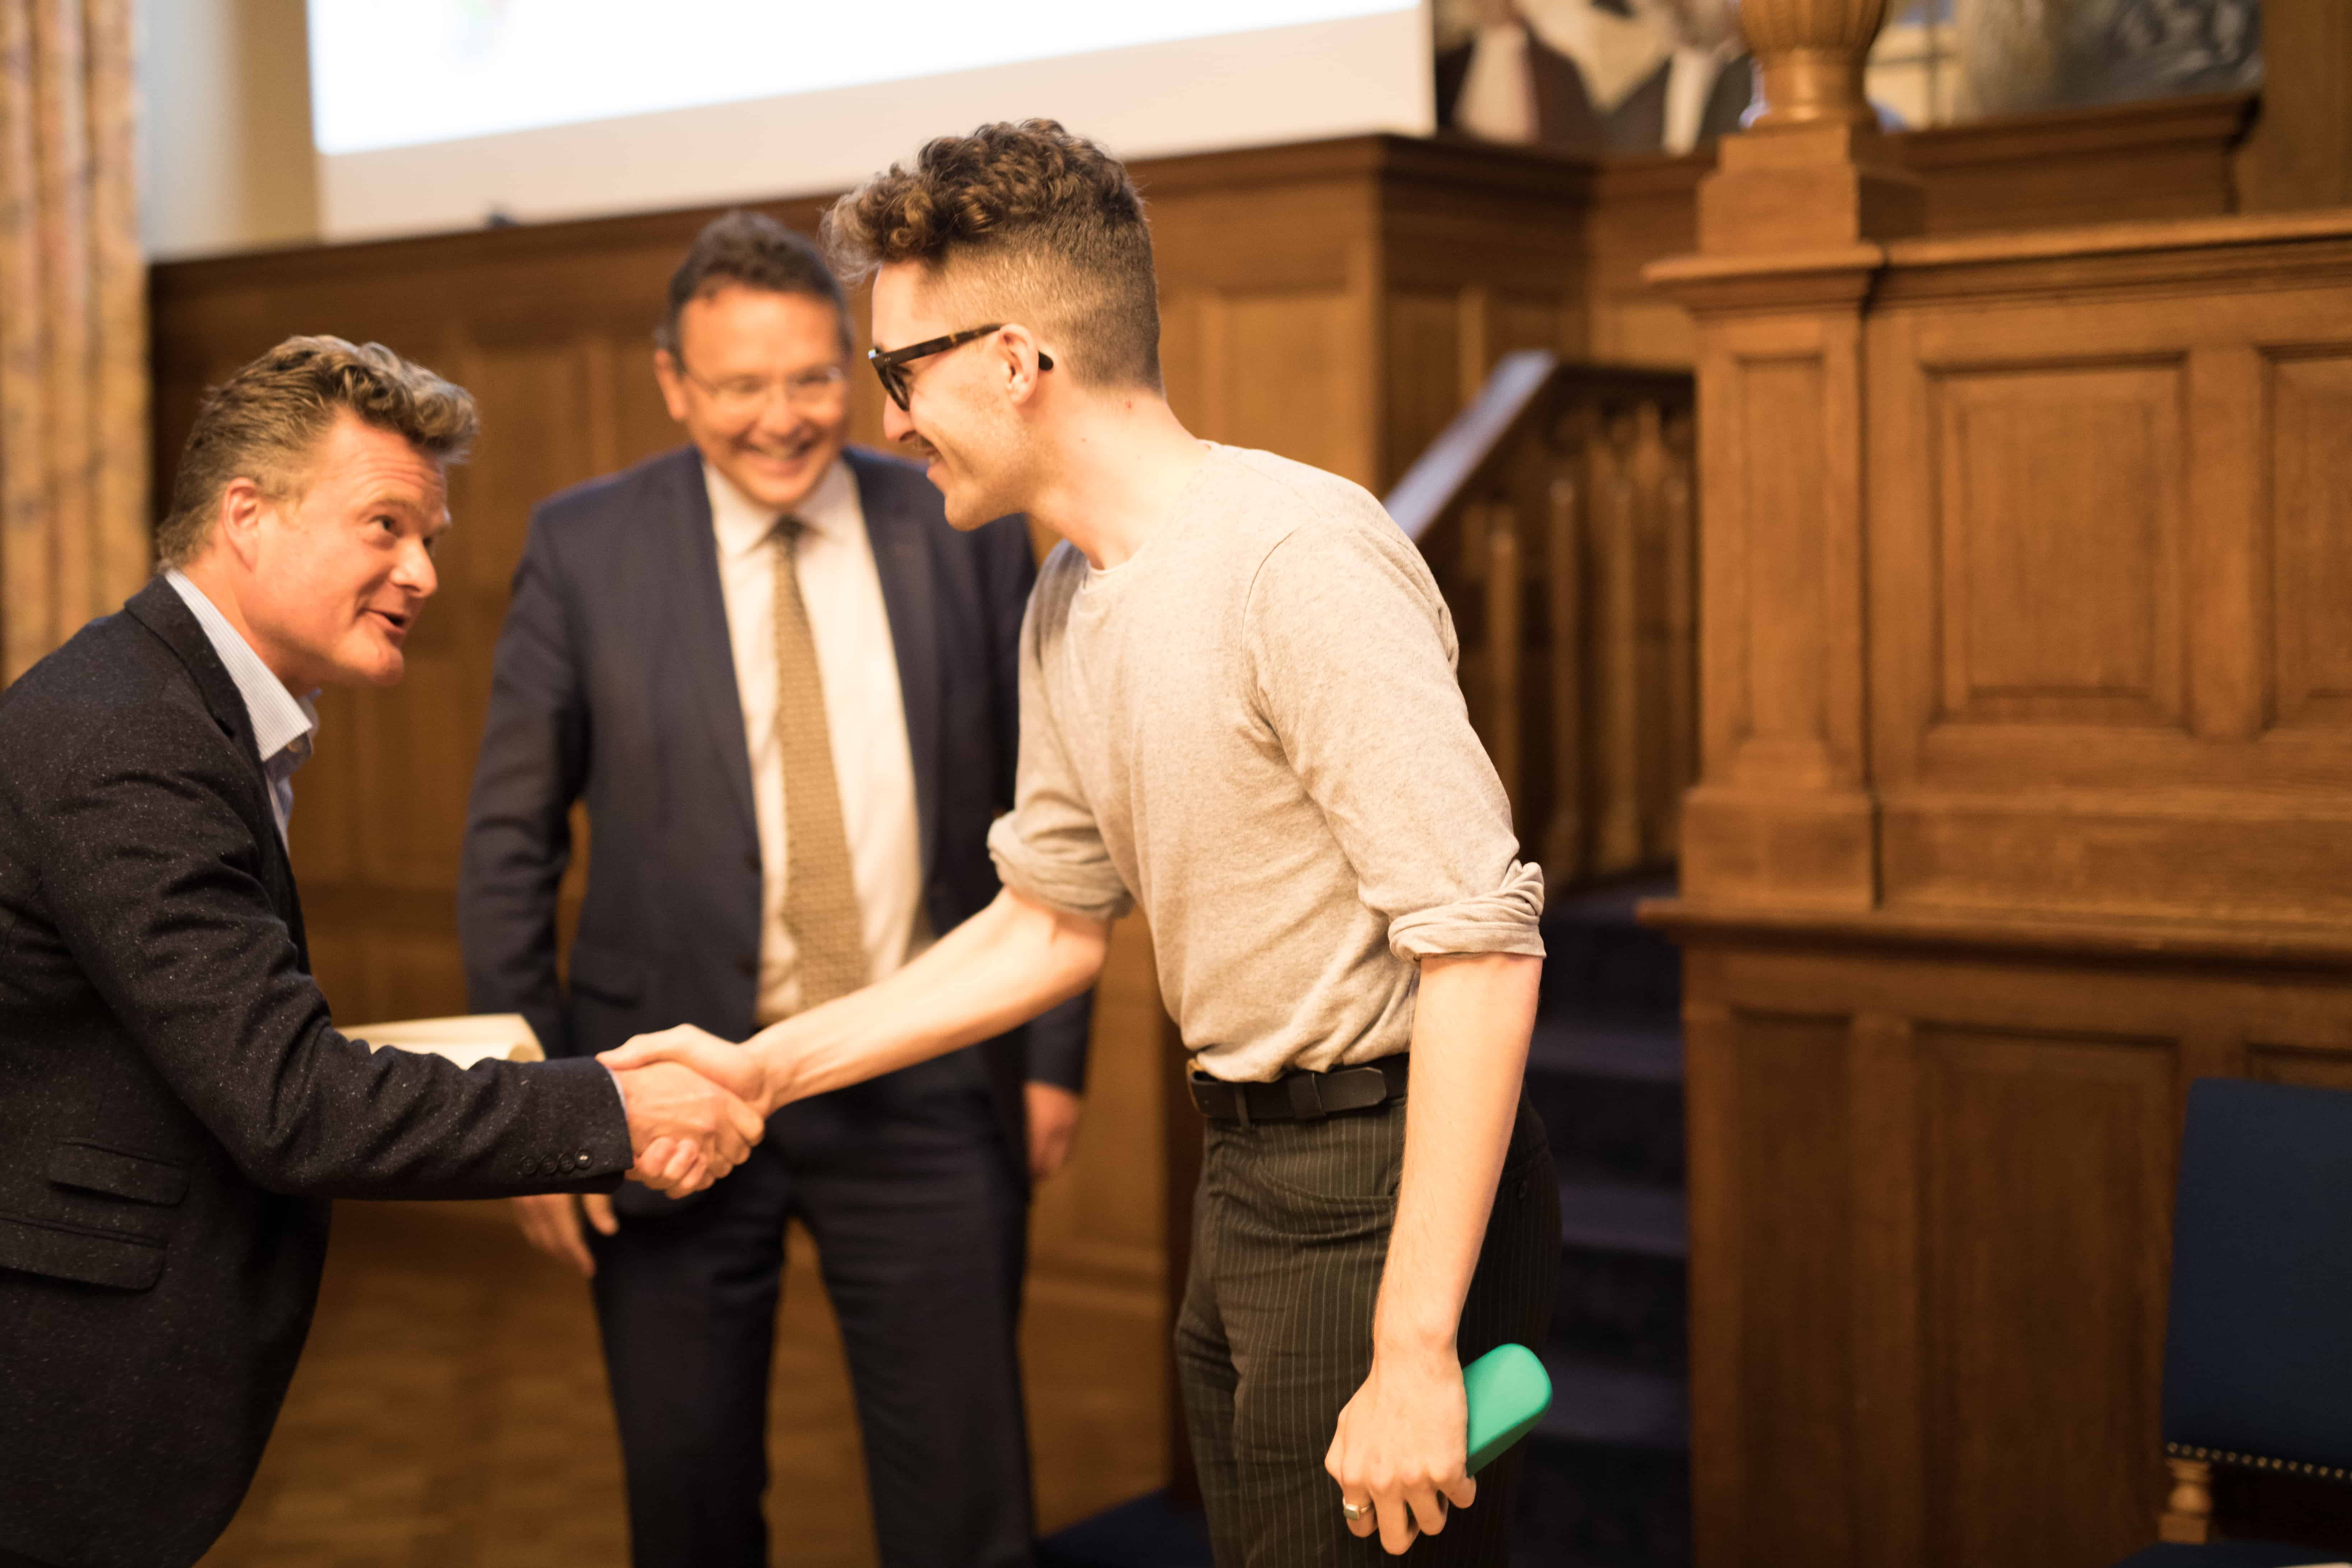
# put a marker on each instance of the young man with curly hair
(1238, 707)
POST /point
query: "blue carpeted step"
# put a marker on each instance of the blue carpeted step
(1150, 1531)
(1612, 1129)
(1598, 955)
(1614, 1406)
(1582, 1507)
(1621, 1308)
(1644, 1048)
(1618, 1217)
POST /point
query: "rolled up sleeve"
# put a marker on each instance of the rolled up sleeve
(1354, 651)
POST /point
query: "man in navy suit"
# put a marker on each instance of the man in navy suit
(786, 690)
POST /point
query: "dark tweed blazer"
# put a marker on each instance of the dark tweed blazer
(175, 1107)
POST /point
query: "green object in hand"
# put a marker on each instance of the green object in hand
(1509, 1392)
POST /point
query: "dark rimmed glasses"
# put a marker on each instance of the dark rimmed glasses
(891, 367)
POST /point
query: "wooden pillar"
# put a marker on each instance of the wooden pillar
(1788, 232)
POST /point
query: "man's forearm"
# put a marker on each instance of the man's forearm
(1469, 1055)
(1004, 966)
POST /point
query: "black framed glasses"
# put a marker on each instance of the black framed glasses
(891, 367)
(741, 396)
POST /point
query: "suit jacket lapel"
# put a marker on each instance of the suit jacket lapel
(701, 630)
(902, 555)
(159, 607)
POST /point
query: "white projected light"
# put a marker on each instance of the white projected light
(438, 114)
(436, 70)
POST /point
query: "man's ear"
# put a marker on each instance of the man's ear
(237, 521)
(1017, 352)
(672, 382)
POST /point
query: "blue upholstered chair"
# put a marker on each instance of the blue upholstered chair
(2258, 1355)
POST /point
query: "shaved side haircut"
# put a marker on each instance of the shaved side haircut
(1020, 223)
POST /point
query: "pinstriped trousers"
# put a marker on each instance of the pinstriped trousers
(1291, 1228)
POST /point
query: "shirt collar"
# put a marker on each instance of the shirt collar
(281, 720)
(743, 525)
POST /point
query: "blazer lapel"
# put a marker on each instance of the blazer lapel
(159, 607)
(701, 631)
(902, 555)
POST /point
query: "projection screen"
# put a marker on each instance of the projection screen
(442, 114)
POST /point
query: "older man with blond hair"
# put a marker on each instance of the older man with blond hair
(176, 1107)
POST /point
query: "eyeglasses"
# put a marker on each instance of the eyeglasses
(891, 367)
(741, 395)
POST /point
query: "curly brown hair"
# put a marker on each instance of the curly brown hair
(1025, 222)
(262, 422)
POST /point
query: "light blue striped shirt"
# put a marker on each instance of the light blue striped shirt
(283, 724)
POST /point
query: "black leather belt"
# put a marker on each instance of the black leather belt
(1301, 1096)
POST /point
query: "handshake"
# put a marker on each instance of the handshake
(696, 1105)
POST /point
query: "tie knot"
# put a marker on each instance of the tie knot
(789, 531)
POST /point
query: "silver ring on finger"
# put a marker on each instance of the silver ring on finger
(1355, 1512)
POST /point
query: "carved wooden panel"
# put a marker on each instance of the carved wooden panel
(1783, 481)
(2047, 1162)
(2311, 500)
(2059, 495)
(2111, 640)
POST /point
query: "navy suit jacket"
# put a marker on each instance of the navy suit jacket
(614, 682)
(176, 1107)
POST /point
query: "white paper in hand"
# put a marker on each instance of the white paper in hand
(465, 1039)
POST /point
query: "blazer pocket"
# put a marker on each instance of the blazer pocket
(88, 1258)
(607, 976)
(116, 1174)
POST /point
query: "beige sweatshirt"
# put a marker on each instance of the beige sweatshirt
(1252, 729)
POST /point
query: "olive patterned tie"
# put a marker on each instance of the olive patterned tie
(819, 898)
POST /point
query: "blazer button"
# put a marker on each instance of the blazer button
(581, 1160)
(752, 859)
(747, 966)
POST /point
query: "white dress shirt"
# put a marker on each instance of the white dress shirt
(1691, 75)
(864, 715)
(1498, 93)
(283, 723)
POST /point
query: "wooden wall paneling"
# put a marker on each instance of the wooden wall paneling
(2149, 577)
(2156, 158)
(2047, 1161)
(2051, 479)
(2009, 1120)
(1796, 1294)
(1722, 1499)
(1644, 209)
(2309, 466)
(1887, 1101)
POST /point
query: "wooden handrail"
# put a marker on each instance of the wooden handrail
(1558, 512)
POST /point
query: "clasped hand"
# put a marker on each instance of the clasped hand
(1398, 1452)
(686, 1128)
